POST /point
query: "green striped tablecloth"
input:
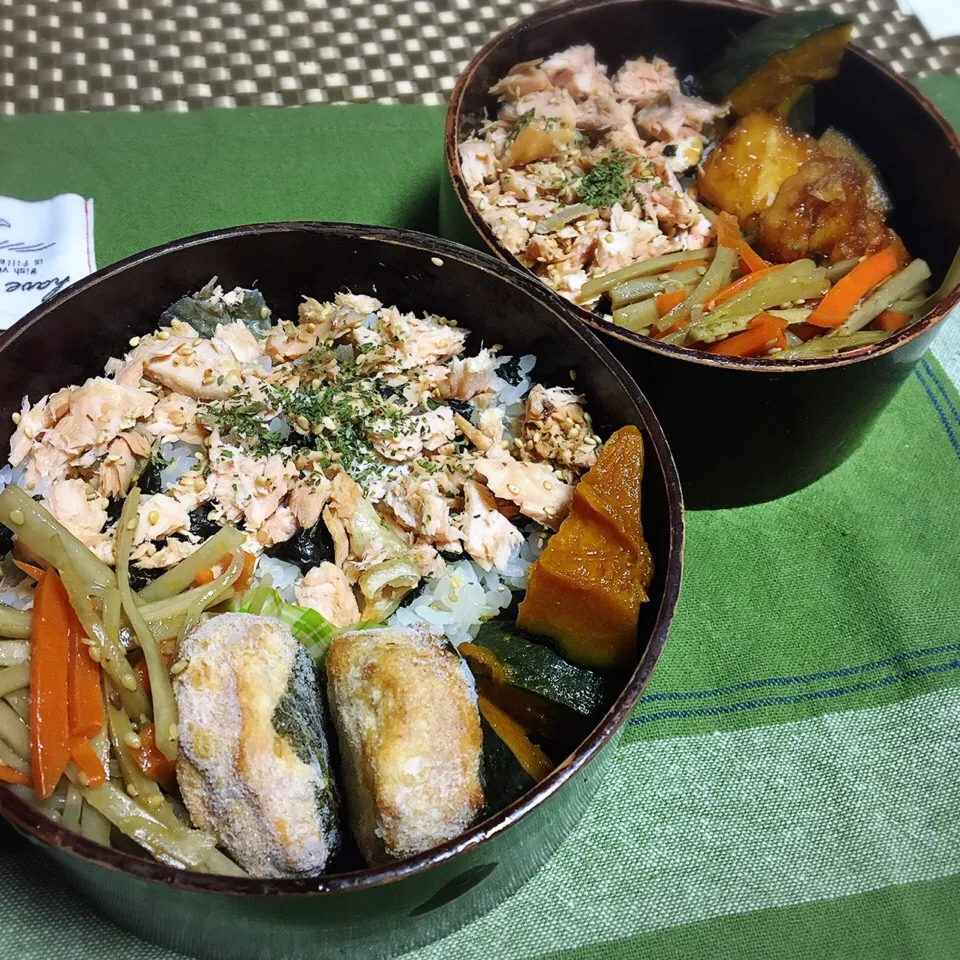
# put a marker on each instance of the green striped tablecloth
(789, 785)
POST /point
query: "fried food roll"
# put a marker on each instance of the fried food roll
(254, 768)
(405, 711)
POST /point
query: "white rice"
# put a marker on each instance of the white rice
(282, 575)
(10, 476)
(182, 457)
(509, 395)
(459, 602)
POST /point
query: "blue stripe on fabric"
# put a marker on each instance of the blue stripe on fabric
(943, 417)
(837, 674)
(812, 695)
(943, 390)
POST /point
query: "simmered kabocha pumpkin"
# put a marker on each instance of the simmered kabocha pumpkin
(584, 591)
(773, 61)
(555, 701)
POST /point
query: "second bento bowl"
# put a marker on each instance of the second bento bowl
(744, 431)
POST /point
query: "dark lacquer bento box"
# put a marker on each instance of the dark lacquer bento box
(744, 430)
(382, 911)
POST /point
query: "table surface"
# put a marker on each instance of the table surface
(180, 55)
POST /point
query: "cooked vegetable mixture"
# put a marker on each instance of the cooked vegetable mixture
(260, 584)
(720, 225)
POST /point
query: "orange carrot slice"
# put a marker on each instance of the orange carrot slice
(738, 286)
(87, 761)
(667, 301)
(204, 577)
(246, 574)
(143, 677)
(29, 569)
(891, 320)
(83, 684)
(728, 231)
(687, 265)
(243, 581)
(49, 656)
(10, 775)
(763, 333)
(750, 261)
(839, 301)
(149, 759)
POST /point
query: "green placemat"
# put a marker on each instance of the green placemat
(788, 785)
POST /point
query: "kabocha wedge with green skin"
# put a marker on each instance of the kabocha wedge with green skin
(512, 762)
(766, 64)
(504, 779)
(507, 657)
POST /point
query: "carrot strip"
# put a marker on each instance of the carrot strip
(143, 677)
(206, 576)
(839, 301)
(764, 332)
(49, 655)
(9, 775)
(750, 261)
(728, 231)
(891, 320)
(87, 761)
(29, 569)
(83, 685)
(806, 331)
(738, 286)
(687, 265)
(243, 581)
(246, 574)
(149, 759)
(667, 301)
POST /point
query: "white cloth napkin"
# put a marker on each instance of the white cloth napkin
(940, 18)
(44, 246)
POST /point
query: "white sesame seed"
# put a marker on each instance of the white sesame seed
(134, 341)
(153, 517)
(84, 779)
(129, 681)
(132, 740)
(179, 667)
(132, 790)
(436, 261)
(17, 517)
(16, 418)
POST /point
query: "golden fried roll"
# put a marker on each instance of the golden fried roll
(254, 768)
(405, 710)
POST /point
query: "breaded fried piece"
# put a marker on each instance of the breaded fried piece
(254, 768)
(406, 715)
